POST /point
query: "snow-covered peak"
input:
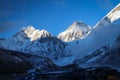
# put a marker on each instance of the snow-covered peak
(112, 16)
(21, 39)
(44, 33)
(104, 31)
(77, 25)
(78, 30)
(32, 33)
(29, 30)
(37, 34)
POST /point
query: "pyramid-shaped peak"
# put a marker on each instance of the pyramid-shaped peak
(78, 30)
(77, 25)
(78, 22)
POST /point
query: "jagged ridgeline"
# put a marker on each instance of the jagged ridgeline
(79, 44)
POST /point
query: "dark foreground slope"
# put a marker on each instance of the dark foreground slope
(19, 62)
(13, 62)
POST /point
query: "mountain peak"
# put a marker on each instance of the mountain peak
(30, 27)
(112, 16)
(77, 25)
(77, 30)
(78, 22)
(34, 34)
(29, 30)
(31, 33)
(44, 33)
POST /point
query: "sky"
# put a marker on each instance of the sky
(52, 15)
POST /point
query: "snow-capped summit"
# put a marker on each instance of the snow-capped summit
(78, 30)
(41, 43)
(21, 39)
(105, 31)
(28, 30)
(36, 42)
(106, 39)
(34, 34)
(112, 16)
(44, 33)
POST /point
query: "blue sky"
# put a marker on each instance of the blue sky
(53, 15)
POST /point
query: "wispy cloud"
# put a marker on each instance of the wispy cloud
(105, 4)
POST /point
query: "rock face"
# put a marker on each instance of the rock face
(12, 62)
(36, 42)
(19, 62)
(20, 40)
(49, 47)
(78, 30)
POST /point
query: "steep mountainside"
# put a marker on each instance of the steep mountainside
(80, 41)
(16, 62)
(112, 16)
(37, 42)
(20, 40)
(10, 62)
(34, 34)
(78, 30)
(104, 32)
(49, 47)
(109, 55)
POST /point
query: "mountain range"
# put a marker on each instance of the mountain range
(79, 44)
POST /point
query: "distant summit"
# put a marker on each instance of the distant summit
(36, 42)
(34, 34)
(24, 37)
(99, 45)
(78, 30)
(112, 16)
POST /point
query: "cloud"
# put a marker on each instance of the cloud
(105, 4)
